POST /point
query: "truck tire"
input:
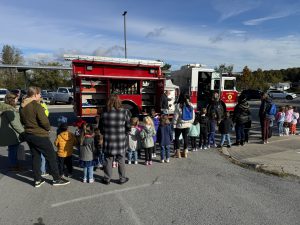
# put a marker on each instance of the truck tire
(70, 101)
(289, 97)
(131, 107)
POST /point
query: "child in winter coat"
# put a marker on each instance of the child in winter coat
(194, 132)
(133, 140)
(146, 135)
(65, 142)
(204, 129)
(288, 119)
(99, 155)
(294, 121)
(164, 138)
(87, 151)
(212, 130)
(155, 119)
(225, 127)
(280, 116)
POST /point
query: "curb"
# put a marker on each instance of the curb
(257, 167)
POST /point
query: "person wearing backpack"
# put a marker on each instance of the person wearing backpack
(268, 120)
(183, 118)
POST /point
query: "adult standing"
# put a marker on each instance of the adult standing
(164, 102)
(266, 102)
(241, 116)
(10, 129)
(181, 124)
(37, 127)
(114, 125)
(216, 106)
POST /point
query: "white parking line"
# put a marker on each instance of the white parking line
(129, 209)
(100, 195)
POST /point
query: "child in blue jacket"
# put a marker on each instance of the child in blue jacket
(164, 138)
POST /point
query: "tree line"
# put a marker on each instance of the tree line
(11, 78)
(46, 79)
(261, 79)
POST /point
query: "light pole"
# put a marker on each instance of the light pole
(124, 14)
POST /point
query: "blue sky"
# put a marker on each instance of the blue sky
(257, 33)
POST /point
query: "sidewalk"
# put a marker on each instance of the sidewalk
(281, 156)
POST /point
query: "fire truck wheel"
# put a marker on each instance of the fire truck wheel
(131, 107)
(70, 100)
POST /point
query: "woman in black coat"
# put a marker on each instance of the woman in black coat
(241, 116)
(114, 125)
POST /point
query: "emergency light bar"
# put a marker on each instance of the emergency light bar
(113, 60)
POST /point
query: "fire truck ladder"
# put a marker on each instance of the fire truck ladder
(113, 60)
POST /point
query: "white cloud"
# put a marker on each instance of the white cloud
(285, 11)
(231, 8)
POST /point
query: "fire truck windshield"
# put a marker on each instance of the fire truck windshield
(229, 84)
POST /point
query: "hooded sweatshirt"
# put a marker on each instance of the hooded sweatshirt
(65, 142)
(10, 125)
(34, 118)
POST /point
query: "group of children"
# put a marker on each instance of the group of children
(205, 128)
(287, 118)
(154, 130)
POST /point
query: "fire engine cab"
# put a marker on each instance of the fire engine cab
(138, 83)
(201, 82)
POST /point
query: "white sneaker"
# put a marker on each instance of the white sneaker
(91, 181)
(154, 155)
(201, 147)
(162, 161)
(196, 149)
(45, 174)
(129, 162)
(84, 180)
(135, 162)
(167, 160)
(205, 148)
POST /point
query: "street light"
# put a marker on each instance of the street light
(124, 14)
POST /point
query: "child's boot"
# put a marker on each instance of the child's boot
(185, 153)
(178, 154)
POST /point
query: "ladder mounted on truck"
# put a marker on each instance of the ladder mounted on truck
(113, 60)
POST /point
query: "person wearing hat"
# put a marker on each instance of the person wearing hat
(241, 116)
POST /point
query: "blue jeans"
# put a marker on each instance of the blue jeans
(132, 155)
(225, 137)
(280, 127)
(211, 138)
(165, 149)
(12, 154)
(43, 164)
(88, 173)
(240, 134)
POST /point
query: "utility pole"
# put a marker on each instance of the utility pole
(124, 14)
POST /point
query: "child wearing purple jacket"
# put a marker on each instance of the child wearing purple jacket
(155, 119)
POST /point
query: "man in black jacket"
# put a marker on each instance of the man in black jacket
(164, 102)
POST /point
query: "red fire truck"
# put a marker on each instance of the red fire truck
(138, 83)
(201, 82)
